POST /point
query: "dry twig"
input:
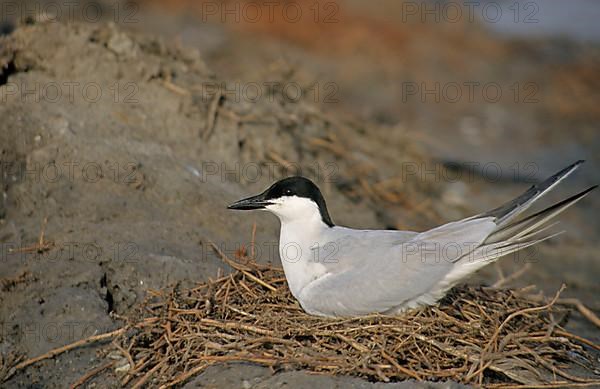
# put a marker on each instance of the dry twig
(485, 336)
(475, 335)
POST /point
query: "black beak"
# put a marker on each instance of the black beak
(254, 202)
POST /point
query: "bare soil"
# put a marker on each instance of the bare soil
(117, 167)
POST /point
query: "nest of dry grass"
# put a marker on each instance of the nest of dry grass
(484, 336)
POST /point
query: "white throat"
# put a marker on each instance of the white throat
(302, 228)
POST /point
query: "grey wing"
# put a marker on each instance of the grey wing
(345, 248)
(376, 275)
(371, 277)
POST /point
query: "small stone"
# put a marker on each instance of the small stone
(123, 368)
(122, 45)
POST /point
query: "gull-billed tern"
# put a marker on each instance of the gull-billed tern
(338, 271)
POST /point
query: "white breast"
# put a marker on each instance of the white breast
(297, 258)
(302, 228)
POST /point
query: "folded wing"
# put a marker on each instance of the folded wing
(374, 272)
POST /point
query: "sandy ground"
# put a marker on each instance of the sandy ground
(109, 133)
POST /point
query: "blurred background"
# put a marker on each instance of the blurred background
(406, 113)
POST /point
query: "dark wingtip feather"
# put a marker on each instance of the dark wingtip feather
(511, 209)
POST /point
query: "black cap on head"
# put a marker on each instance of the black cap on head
(291, 186)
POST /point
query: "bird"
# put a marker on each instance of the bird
(337, 271)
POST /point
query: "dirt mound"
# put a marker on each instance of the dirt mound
(117, 167)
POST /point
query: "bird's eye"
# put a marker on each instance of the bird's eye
(288, 192)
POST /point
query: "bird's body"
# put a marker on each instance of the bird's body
(320, 249)
(339, 271)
